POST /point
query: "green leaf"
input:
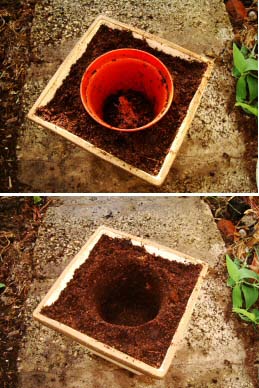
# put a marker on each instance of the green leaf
(250, 294)
(252, 87)
(37, 200)
(241, 89)
(237, 262)
(235, 72)
(239, 59)
(246, 315)
(2, 285)
(249, 108)
(237, 296)
(231, 282)
(245, 273)
(251, 65)
(232, 268)
(244, 50)
(256, 313)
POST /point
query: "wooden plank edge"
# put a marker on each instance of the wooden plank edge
(109, 353)
(185, 320)
(144, 241)
(148, 35)
(152, 179)
(185, 125)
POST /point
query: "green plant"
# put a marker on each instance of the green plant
(245, 284)
(2, 285)
(37, 200)
(246, 71)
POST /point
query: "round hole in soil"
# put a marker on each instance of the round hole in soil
(132, 298)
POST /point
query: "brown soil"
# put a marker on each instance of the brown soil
(134, 305)
(145, 149)
(19, 224)
(128, 109)
(15, 56)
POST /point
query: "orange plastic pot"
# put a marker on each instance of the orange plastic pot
(125, 69)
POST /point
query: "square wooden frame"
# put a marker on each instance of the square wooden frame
(155, 42)
(99, 348)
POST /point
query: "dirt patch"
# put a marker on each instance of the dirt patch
(135, 305)
(15, 56)
(231, 208)
(229, 213)
(147, 149)
(18, 232)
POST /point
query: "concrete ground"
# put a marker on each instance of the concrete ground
(210, 355)
(212, 157)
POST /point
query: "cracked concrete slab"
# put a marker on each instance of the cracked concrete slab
(210, 355)
(213, 155)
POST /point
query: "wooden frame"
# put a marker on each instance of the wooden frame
(155, 42)
(103, 350)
